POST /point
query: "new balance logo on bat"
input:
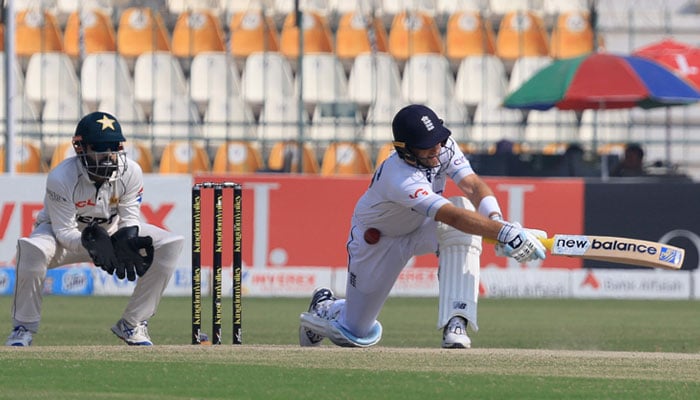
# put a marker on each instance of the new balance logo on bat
(616, 248)
(578, 245)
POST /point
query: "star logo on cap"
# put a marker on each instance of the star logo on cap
(106, 122)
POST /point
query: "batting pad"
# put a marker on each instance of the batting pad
(458, 272)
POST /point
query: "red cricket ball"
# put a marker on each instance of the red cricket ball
(372, 235)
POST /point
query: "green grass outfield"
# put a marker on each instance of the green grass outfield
(526, 349)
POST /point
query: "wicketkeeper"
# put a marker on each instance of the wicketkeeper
(403, 213)
(92, 214)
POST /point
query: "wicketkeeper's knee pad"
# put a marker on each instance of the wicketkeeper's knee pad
(458, 272)
(31, 259)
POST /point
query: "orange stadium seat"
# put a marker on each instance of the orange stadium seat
(572, 35)
(521, 34)
(27, 158)
(37, 31)
(2, 37)
(98, 33)
(237, 157)
(196, 32)
(358, 33)
(317, 35)
(413, 33)
(284, 156)
(468, 35)
(180, 157)
(141, 30)
(383, 153)
(62, 151)
(345, 158)
(140, 153)
(251, 32)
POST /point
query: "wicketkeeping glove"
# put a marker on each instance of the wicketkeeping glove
(521, 244)
(134, 252)
(96, 241)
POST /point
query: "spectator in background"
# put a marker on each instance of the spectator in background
(572, 162)
(633, 162)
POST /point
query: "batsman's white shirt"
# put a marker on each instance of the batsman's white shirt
(401, 202)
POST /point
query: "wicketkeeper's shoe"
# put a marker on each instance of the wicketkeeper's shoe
(454, 336)
(132, 335)
(308, 337)
(19, 337)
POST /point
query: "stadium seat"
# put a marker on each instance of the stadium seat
(63, 150)
(501, 8)
(36, 31)
(468, 34)
(58, 119)
(449, 7)
(279, 120)
(177, 7)
(181, 157)
(229, 118)
(141, 30)
(481, 78)
(379, 117)
(413, 33)
(374, 75)
(64, 8)
(267, 75)
(551, 125)
(417, 89)
(324, 80)
(50, 76)
(196, 32)
(359, 33)
(27, 157)
(175, 118)
(318, 37)
(572, 36)
(385, 150)
(139, 152)
(157, 75)
(104, 75)
(213, 75)
(553, 8)
(25, 115)
(237, 157)
(336, 122)
(17, 78)
(97, 33)
(493, 123)
(251, 32)
(345, 158)
(284, 156)
(521, 34)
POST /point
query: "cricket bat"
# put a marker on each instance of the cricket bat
(616, 249)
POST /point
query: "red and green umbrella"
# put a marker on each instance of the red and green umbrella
(602, 81)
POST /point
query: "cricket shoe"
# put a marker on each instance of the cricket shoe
(307, 337)
(454, 336)
(132, 335)
(19, 337)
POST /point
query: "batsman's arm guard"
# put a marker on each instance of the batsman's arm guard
(458, 272)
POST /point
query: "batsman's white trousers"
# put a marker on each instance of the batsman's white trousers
(41, 251)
